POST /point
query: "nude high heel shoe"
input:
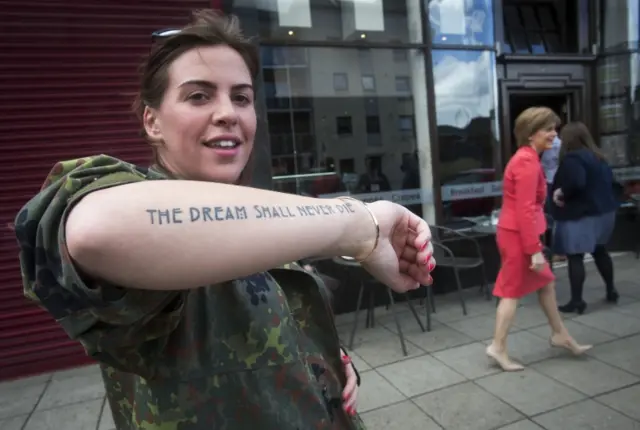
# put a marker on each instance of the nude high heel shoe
(569, 344)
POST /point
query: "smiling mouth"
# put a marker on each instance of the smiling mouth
(222, 144)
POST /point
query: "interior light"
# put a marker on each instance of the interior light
(362, 36)
(290, 32)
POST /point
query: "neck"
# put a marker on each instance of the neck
(535, 148)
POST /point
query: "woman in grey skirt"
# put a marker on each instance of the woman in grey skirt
(584, 210)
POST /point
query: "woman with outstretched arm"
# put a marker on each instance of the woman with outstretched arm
(177, 278)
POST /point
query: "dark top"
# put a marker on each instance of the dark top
(587, 184)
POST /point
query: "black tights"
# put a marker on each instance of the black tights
(577, 274)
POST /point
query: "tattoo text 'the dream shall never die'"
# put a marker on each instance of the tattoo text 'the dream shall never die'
(237, 213)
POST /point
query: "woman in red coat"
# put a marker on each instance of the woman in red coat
(524, 268)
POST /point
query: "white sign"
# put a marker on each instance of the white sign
(623, 174)
(471, 191)
(476, 190)
(413, 196)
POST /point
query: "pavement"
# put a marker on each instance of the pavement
(445, 382)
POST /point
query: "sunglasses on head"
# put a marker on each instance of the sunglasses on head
(163, 34)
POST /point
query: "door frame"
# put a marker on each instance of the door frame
(542, 85)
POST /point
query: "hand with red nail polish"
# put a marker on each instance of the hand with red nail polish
(350, 391)
(402, 255)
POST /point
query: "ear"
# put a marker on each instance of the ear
(151, 124)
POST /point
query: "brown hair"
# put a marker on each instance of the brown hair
(576, 135)
(532, 120)
(207, 28)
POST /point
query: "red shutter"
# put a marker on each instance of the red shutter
(68, 73)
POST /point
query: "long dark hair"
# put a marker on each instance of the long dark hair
(575, 135)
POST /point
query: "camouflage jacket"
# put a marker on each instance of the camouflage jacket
(257, 352)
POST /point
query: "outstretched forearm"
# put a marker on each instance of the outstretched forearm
(186, 234)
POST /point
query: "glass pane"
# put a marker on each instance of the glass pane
(546, 15)
(519, 40)
(311, 20)
(512, 17)
(466, 123)
(619, 25)
(554, 45)
(619, 112)
(362, 140)
(461, 22)
(507, 48)
(537, 45)
(529, 17)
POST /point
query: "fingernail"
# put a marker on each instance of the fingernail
(346, 359)
(353, 412)
(345, 396)
(424, 245)
(430, 280)
(432, 266)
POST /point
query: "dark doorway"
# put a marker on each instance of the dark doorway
(560, 103)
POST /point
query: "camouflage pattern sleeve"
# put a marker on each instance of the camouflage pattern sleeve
(112, 323)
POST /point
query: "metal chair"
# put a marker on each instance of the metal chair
(446, 258)
(370, 322)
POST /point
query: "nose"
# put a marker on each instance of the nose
(224, 113)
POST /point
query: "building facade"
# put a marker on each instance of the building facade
(414, 101)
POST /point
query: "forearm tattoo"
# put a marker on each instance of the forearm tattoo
(197, 214)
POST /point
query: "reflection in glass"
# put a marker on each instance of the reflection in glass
(330, 20)
(619, 108)
(531, 29)
(620, 25)
(461, 22)
(358, 140)
(465, 113)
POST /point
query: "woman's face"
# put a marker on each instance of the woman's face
(542, 139)
(206, 123)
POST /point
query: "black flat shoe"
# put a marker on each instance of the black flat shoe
(571, 307)
(612, 296)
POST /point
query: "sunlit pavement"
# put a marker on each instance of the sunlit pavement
(445, 382)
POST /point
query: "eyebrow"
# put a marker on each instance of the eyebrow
(210, 85)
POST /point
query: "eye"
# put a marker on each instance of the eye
(198, 97)
(242, 99)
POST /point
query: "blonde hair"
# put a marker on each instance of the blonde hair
(532, 120)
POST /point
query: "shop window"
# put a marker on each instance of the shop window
(619, 25)
(344, 126)
(465, 116)
(384, 21)
(619, 112)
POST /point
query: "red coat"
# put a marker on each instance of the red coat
(524, 192)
